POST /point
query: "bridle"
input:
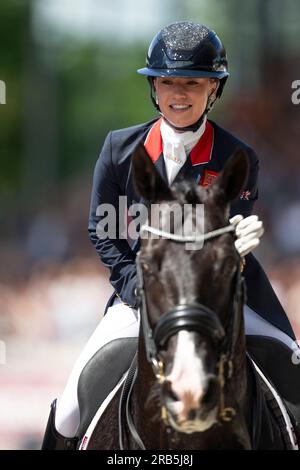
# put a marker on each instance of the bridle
(192, 317)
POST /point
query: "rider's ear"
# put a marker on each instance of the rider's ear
(234, 175)
(148, 183)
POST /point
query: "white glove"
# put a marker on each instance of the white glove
(248, 232)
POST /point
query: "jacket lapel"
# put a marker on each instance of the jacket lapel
(154, 147)
(196, 162)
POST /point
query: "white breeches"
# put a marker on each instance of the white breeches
(258, 326)
(121, 321)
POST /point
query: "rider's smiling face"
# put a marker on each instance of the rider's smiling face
(182, 100)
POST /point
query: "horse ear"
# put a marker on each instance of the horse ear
(147, 181)
(234, 175)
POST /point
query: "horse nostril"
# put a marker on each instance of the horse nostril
(173, 395)
(169, 392)
(192, 414)
(211, 390)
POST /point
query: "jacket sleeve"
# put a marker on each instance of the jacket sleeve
(244, 204)
(114, 252)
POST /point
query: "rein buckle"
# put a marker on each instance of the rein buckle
(158, 369)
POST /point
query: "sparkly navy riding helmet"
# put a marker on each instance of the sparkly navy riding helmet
(186, 49)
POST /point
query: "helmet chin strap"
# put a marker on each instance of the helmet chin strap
(192, 128)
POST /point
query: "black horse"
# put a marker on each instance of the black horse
(192, 385)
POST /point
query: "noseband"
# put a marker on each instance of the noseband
(191, 317)
(188, 317)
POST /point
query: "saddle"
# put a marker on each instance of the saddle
(274, 358)
(100, 376)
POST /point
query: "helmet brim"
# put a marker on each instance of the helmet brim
(182, 73)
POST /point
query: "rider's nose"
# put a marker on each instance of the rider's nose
(179, 90)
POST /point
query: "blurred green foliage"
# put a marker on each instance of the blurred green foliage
(100, 90)
(61, 101)
(14, 17)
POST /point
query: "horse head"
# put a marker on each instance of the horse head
(187, 288)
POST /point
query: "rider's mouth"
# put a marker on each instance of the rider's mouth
(179, 108)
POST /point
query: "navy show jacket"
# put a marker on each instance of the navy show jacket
(113, 178)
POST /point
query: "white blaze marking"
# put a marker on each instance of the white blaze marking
(187, 376)
(188, 380)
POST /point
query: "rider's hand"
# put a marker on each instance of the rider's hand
(248, 232)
